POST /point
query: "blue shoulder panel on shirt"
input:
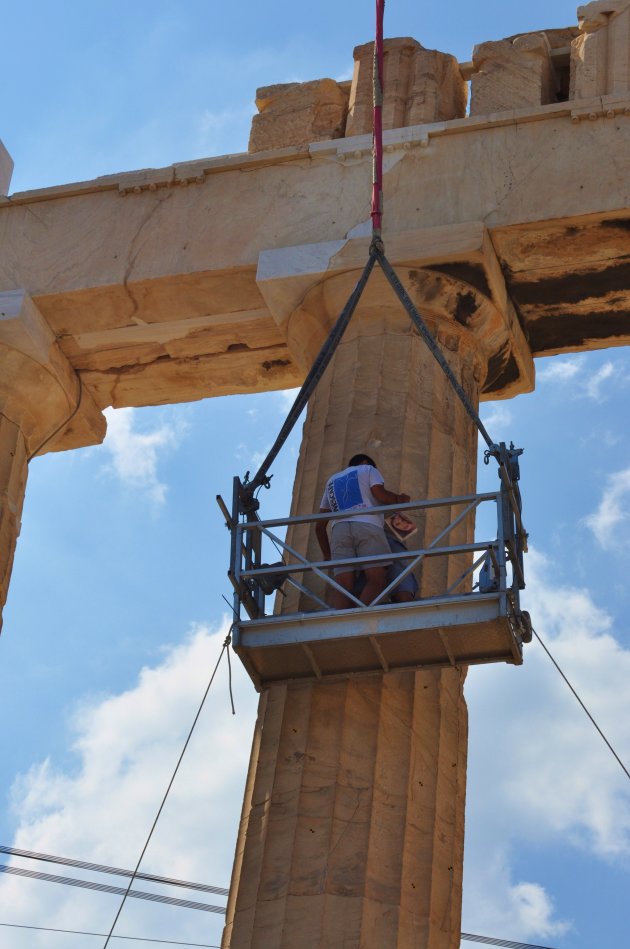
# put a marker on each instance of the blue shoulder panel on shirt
(344, 492)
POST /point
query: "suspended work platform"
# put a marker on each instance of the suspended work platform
(477, 619)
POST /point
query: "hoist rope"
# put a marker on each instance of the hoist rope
(377, 253)
(377, 124)
(226, 645)
(610, 747)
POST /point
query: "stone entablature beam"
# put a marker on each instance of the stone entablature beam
(149, 284)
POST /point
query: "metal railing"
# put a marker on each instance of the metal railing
(500, 558)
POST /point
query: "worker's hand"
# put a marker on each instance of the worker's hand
(403, 498)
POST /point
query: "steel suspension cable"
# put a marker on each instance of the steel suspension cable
(315, 373)
(602, 735)
(377, 253)
(226, 645)
(427, 336)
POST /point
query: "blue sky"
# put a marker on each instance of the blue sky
(115, 616)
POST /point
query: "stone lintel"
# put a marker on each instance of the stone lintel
(39, 389)
(288, 279)
(6, 170)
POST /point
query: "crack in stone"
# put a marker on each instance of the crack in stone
(133, 256)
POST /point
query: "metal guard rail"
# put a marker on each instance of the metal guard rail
(253, 580)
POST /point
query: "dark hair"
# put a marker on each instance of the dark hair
(361, 460)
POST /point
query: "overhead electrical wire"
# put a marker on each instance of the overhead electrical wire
(113, 871)
(488, 941)
(469, 937)
(85, 932)
(108, 888)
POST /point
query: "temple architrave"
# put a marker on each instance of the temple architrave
(507, 218)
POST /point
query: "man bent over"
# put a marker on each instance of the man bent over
(356, 489)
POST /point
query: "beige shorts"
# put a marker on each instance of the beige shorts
(357, 539)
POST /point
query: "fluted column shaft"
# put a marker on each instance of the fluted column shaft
(353, 822)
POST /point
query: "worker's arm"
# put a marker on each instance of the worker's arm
(383, 496)
(322, 534)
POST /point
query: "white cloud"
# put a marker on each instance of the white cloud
(495, 904)
(497, 418)
(539, 774)
(607, 522)
(248, 456)
(561, 369)
(286, 398)
(573, 369)
(596, 381)
(101, 807)
(135, 454)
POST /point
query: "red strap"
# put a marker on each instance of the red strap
(377, 133)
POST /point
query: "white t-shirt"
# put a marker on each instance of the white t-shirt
(349, 490)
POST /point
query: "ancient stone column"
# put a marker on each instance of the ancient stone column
(353, 821)
(513, 73)
(600, 56)
(40, 399)
(420, 85)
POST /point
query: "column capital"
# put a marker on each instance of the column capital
(451, 273)
(39, 389)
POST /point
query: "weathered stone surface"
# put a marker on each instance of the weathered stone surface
(353, 816)
(513, 73)
(13, 474)
(298, 113)
(451, 273)
(600, 57)
(39, 390)
(6, 169)
(420, 86)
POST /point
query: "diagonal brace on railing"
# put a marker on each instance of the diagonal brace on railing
(316, 571)
(414, 563)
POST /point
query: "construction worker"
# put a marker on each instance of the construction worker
(356, 489)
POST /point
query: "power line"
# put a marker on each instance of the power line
(488, 941)
(114, 871)
(107, 888)
(83, 932)
(610, 747)
(226, 645)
